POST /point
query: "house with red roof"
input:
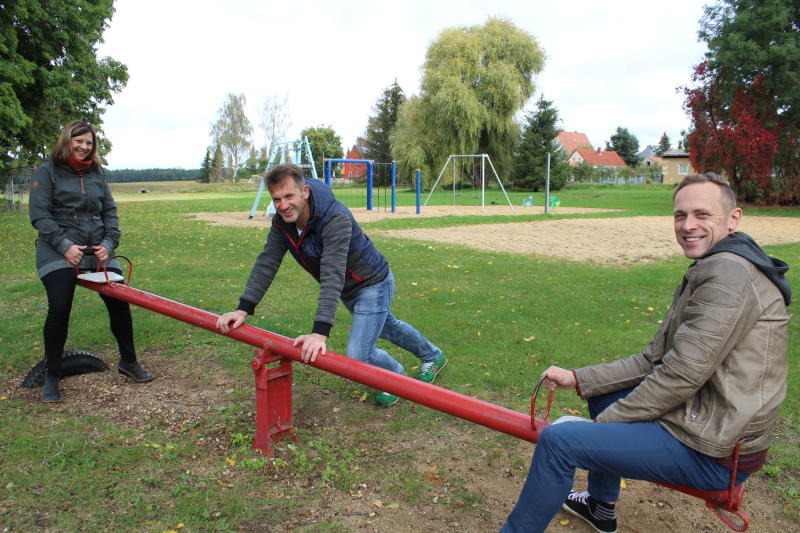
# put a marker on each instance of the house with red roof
(572, 140)
(596, 158)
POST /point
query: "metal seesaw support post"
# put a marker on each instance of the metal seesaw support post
(273, 347)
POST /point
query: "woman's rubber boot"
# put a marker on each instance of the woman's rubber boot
(50, 392)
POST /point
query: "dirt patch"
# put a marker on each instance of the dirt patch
(456, 461)
(603, 240)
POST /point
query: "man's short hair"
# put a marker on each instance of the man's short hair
(278, 173)
(728, 196)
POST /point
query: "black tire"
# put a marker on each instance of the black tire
(73, 362)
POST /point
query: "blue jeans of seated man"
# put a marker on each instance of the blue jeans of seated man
(373, 318)
(608, 450)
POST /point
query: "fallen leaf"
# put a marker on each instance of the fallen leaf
(432, 475)
(230, 461)
(622, 484)
(564, 522)
(529, 339)
(363, 397)
(393, 506)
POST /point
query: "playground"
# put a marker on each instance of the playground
(177, 451)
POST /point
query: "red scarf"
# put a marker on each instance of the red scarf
(79, 165)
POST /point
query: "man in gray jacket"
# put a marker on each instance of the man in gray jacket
(712, 377)
(324, 238)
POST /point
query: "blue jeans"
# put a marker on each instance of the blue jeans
(609, 451)
(373, 318)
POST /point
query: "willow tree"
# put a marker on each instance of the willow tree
(475, 79)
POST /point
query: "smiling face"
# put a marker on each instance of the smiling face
(291, 201)
(81, 145)
(702, 218)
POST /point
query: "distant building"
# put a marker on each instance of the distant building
(572, 140)
(676, 165)
(596, 158)
(647, 152)
(652, 161)
(353, 171)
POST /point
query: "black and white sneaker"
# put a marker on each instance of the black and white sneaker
(602, 517)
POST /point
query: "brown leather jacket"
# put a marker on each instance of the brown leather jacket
(716, 370)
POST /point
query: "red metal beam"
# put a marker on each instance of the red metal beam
(478, 411)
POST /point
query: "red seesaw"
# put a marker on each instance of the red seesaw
(274, 386)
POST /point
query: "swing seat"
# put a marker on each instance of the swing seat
(725, 503)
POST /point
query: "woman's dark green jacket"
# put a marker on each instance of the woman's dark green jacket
(68, 208)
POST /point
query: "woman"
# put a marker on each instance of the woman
(72, 208)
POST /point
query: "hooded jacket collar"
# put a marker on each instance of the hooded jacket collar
(743, 245)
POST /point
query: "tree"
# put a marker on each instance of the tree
(324, 144)
(538, 138)
(683, 143)
(375, 144)
(274, 121)
(664, 144)
(206, 168)
(474, 81)
(745, 102)
(626, 145)
(233, 132)
(583, 171)
(50, 73)
(217, 164)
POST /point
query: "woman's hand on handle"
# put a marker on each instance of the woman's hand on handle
(73, 255)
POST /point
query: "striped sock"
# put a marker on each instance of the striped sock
(602, 510)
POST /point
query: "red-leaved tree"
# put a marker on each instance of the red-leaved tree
(745, 99)
(740, 140)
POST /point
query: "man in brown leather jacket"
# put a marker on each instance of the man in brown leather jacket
(714, 375)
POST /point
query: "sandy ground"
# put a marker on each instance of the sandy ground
(602, 240)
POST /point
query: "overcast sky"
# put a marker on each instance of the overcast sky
(608, 64)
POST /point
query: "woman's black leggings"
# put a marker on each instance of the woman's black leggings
(60, 287)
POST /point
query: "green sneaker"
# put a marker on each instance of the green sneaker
(429, 371)
(384, 399)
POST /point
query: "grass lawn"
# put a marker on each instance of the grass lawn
(176, 455)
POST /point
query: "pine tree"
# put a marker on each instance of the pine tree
(664, 144)
(217, 164)
(539, 133)
(206, 168)
(376, 144)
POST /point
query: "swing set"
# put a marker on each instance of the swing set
(456, 181)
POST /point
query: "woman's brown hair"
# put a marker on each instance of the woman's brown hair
(62, 150)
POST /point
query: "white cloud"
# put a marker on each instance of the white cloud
(608, 65)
